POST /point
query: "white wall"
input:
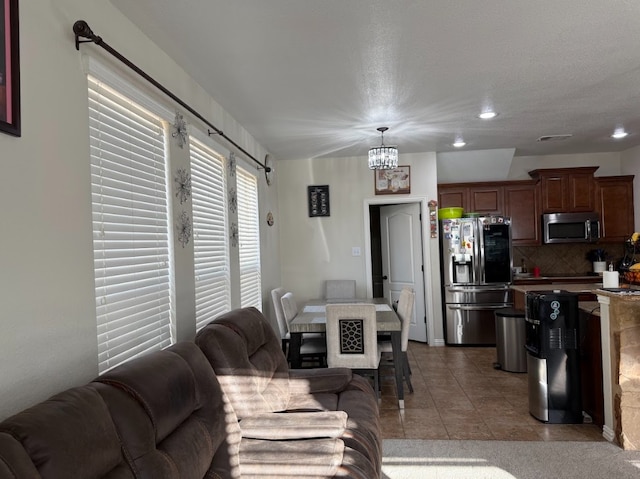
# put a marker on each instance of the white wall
(630, 165)
(48, 339)
(315, 249)
(608, 163)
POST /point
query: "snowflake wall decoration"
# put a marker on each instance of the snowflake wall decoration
(233, 200)
(184, 228)
(232, 164)
(183, 184)
(233, 235)
(180, 130)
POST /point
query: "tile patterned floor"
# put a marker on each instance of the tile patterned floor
(459, 395)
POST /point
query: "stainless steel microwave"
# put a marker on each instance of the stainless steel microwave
(570, 227)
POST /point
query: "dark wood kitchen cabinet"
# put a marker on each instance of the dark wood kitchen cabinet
(566, 190)
(522, 204)
(614, 203)
(452, 196)
(487, 199)
(473, 197)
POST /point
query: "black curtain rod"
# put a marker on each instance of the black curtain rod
(82, 29)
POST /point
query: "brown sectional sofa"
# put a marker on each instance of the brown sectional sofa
(165, 415)
(253, 372)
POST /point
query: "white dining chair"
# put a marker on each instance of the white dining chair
(283, 326)
(340, 289)
(314, 345)
(352, 339)
(405, 311)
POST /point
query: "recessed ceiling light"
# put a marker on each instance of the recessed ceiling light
(619, 133)
(487, 115)
(459, 143)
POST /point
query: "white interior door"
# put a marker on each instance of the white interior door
(402, 264)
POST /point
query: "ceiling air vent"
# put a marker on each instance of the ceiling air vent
(554, 137)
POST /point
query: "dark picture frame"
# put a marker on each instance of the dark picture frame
(393, 182)
(9, 68)
(318, 198)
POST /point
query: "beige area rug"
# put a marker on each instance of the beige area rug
(419, 459)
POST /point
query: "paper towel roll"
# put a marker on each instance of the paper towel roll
(610, 279)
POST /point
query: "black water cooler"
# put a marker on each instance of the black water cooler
(553, 360)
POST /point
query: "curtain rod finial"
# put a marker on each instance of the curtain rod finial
(82, 29)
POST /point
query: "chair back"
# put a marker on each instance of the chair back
(352, 336)
(405, 312)
(340, 288)
(283, 325)
(289, 307)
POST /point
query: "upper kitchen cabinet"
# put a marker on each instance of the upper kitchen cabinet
(522, 204)
(473, 197)
(566, 190)
(486, 199)
(452, 196)
(614, 198)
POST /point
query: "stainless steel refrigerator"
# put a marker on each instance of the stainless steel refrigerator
(476, 262)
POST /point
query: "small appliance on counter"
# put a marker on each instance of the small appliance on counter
(553, 361)
(476, 266)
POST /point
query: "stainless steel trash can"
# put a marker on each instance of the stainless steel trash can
(511, 340)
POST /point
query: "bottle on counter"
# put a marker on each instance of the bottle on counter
(524, 266)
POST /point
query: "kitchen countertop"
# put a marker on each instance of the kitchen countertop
(592, 278)
(571, 287)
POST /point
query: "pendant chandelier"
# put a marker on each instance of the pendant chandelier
(383, 157)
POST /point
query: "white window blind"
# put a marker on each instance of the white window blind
(249, 239)
(211, 248)
(130, 227)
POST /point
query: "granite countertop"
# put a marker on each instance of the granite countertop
(587, 278)
(571, 287)
(624, 294)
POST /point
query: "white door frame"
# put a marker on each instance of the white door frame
(426, 256)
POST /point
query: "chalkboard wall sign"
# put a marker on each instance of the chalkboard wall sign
(318, 200)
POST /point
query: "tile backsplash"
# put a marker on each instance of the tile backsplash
(564, 259)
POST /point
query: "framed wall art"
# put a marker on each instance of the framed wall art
(9, 68)
(318, 197)
(393, 182)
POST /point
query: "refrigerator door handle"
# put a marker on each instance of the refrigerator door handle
(479, 307)
(478, 290)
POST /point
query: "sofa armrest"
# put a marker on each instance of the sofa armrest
(294, 425)
(321, 380)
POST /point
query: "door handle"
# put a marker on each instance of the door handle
(385, 277)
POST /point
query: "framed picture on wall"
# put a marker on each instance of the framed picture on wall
(318, 197)
(9, 68)
(393, 182)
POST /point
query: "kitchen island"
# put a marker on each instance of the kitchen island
(586, 291)
(620, 326)
(591, 369)
(619, 318)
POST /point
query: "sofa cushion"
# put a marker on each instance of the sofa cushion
(171, 414)
(69, 435)
(14, 460)
(301, 425)
(248, 361)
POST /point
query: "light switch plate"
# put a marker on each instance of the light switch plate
(355, 251)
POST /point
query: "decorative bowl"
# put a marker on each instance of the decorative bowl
(450, 213)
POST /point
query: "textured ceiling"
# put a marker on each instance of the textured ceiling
(314, 78)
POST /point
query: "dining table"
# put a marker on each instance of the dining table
(312, 318)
